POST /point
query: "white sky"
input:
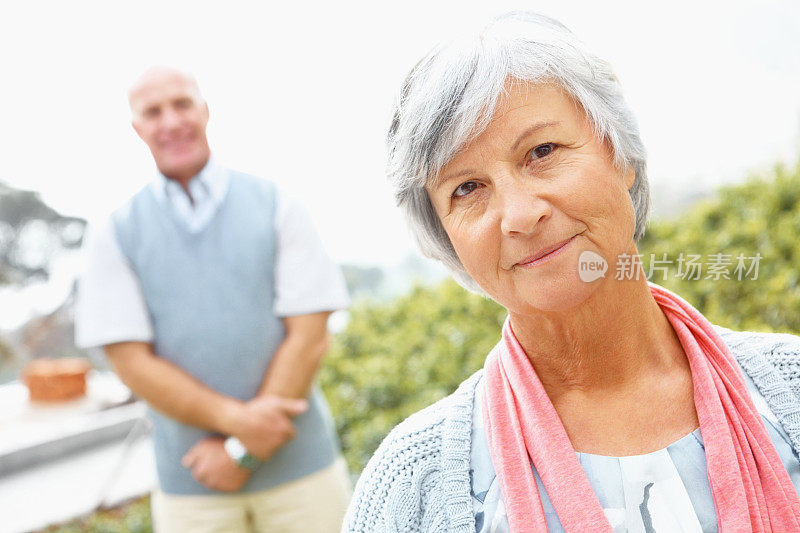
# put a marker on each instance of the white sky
(302, 93)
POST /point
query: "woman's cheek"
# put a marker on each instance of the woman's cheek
(465, 214)
(470, 233)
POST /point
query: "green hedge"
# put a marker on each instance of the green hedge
(395, 358)
(760, 216)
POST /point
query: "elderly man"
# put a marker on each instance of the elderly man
(210, 291)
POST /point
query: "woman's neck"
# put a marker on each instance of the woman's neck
(613, 340)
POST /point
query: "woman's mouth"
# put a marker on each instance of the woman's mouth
(546, 254)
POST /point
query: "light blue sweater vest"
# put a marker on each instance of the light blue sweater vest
(210, 299)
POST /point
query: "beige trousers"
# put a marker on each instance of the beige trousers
(312, 504)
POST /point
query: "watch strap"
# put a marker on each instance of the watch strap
(240, 455)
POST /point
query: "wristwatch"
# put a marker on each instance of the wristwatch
(240, 455)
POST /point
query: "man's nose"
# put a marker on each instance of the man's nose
(170, 119)
(521, 208)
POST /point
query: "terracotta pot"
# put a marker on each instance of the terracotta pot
(56, 380)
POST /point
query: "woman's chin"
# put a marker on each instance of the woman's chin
(561, 294)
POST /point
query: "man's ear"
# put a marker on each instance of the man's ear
(136, 128)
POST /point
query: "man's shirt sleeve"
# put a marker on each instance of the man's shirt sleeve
(306, 279)
(109, 306)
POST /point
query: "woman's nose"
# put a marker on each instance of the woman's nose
(521, 210)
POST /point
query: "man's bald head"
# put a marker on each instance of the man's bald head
(160, 74)
(170, 116)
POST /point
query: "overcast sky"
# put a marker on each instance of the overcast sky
(302, 93)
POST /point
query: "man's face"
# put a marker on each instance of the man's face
(170, 117)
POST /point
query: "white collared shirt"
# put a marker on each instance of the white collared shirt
(207, 190)
(110, 306)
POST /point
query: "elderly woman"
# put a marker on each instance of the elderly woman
(608, 404)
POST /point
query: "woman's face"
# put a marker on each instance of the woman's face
(534, 178)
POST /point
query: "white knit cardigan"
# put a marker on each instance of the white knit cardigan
(419, 478)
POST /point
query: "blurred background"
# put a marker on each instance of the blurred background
(302, 94)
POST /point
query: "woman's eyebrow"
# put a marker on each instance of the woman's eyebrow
(438, 180)
(531, 130)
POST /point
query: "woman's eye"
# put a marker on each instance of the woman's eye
(543, 150)
(464, 189)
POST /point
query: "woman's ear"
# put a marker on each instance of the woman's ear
(630, 177)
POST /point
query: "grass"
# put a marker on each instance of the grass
(130, 517)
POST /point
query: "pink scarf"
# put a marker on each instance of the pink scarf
(751, 488)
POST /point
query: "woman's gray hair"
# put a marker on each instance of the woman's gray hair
(449, 97)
